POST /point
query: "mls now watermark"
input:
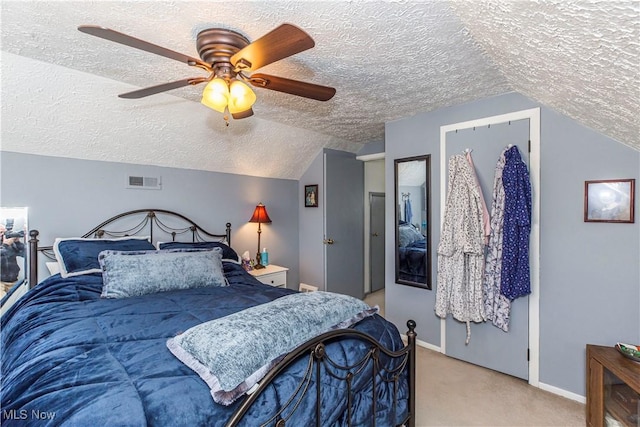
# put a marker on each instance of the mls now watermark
(23, 414)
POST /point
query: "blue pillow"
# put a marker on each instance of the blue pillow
(231, 354)
(228, 254)
(129, 274)
(78, 256)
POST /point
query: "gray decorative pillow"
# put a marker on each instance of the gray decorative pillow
(129, 274)
(408, 235)
(233, 353)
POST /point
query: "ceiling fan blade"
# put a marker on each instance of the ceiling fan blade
(293, 87)
(115, 36)
(152, 90)
(284, 41)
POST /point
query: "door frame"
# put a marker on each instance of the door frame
(533, 115)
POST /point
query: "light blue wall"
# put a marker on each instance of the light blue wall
(311, 226)
(68, 197)
(373, 147)
(589, 273)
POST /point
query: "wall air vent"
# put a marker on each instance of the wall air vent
(144, 182)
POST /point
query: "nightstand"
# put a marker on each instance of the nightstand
(273, 275)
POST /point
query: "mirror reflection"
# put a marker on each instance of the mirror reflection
(413, 242)
(13, 252)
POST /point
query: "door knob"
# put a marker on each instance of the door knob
(375, 234)
(328, 241)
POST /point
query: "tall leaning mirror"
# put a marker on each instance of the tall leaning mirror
(13, 252)
(412, 222)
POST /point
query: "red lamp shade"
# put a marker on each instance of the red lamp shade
(260, 215)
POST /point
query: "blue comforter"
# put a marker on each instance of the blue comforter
(412, 262)
(70, 357)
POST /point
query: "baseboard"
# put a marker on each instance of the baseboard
(422, 344)
(562, 392)
(542, 386)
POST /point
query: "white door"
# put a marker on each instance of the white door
(490, 346)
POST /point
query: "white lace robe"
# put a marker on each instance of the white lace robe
(496, 306)
(461, 247)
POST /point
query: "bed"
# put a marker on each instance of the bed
(75, 354)
(412, 259)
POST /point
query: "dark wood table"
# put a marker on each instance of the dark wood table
(616, 397)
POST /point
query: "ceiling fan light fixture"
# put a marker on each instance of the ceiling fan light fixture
(242, 114)
(216, 95)
(241, 97)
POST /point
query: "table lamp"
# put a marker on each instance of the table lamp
(260, 216)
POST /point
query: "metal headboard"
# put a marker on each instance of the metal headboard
(151, 221)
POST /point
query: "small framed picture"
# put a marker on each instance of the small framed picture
(311, 196)
(609, 200)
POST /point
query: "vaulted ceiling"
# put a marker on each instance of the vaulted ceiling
(387, 60)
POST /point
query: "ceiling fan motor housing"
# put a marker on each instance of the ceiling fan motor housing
(216, 46)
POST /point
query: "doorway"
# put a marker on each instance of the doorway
(343, 231)
(376, 241)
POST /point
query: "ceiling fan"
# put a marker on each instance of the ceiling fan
(228, 56)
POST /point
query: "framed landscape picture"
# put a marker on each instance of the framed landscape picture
(609, 200)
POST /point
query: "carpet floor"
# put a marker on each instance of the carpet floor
(451, 392)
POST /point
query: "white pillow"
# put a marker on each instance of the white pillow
(53, 267)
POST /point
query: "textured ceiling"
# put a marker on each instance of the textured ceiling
(386, 59)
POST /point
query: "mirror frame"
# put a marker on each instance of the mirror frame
(427, 284)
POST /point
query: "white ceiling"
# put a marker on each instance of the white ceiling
(387, 60)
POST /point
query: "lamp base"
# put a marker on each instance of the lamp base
(258, 264)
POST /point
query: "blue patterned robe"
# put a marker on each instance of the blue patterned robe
(515, 278)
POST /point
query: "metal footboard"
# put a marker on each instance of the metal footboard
(400, 362)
